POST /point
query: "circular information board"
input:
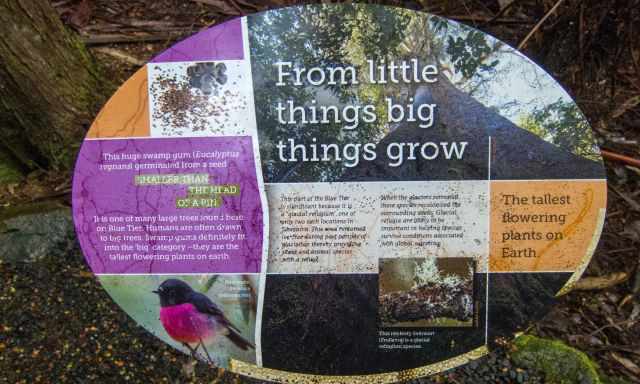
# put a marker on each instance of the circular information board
(338, 192)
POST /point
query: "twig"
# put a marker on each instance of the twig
(612, 325)
(537, 26)
(632, 203)
(136, 26)
(118, 54)
(614, 214)
(248, 5)
(223, 6)
(622, 140)
(630, 349)
(600, 282)
(500, 13)
(60, 3)
(487, 20)
(618, 157)
(115, 39)
(621, 250)
(51, 195)
(236, 6)
(626, 106)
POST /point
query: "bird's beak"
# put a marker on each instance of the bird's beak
(156, 292)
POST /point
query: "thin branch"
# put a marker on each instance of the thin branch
(632, 203)
(626, 106)
(630, 321)
(618, 157)
(223, 6)
(120, 55)
(537, 26)
(114, 39)
(500, 13)
(488, 20)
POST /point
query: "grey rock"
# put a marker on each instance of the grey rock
(40, 232)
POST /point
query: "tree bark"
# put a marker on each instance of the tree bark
(50, 87)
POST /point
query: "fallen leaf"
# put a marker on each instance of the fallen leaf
(628, 364)
(624, 301)
(600, 282)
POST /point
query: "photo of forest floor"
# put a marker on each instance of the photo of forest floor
(426, 292)
(57, 324)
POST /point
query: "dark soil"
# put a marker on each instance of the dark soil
(58, 325)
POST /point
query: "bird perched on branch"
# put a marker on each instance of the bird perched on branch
(191, 318)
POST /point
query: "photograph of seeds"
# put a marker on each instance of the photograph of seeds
(426, 292)
(200, 98)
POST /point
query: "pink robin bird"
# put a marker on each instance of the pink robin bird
(190, 317)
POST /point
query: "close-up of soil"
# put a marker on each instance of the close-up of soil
(58, 325)
(178, 105)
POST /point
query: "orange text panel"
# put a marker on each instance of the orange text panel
(539, 226)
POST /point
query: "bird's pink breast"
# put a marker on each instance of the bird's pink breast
(185, 324)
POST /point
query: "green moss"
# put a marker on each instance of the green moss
(9, 175)
(559, 363)
(9, 170)
(10, 212)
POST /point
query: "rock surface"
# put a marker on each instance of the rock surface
(32, 233)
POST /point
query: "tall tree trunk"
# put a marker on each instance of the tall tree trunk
(49, 87)
(516, 153)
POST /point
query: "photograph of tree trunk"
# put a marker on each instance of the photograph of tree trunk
(457, 184)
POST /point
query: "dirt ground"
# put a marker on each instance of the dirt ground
(591, 47)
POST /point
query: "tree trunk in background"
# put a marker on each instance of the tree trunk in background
(50, 87)
(516, 152)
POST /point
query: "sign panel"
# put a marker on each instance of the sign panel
(352, 191)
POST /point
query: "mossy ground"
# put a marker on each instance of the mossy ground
(560, 363)
(9, 170)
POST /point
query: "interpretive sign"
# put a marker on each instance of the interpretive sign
(338, 190)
